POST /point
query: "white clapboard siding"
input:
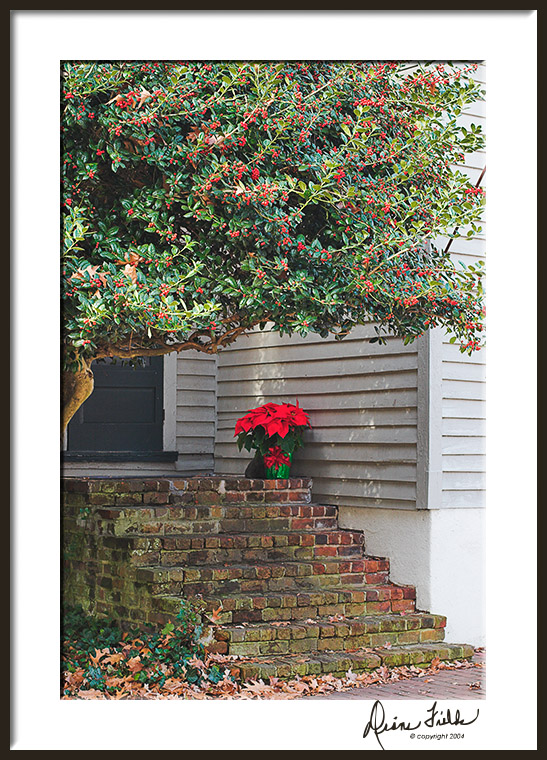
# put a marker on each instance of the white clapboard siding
(361, 399)
(195, 412)
(463, 446)
(463, 376)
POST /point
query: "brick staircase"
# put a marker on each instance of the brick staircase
(293, 593)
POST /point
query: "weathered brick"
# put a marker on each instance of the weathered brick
(402, 605)
(436, 634)
(255, 497)
(159, 497)
(135, 555)
(208, 484)
(74, 485)
(128, 498)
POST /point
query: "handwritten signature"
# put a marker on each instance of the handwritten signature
(378, 725)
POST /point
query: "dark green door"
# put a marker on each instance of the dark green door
(125, 411)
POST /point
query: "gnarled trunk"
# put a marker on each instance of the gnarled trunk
(76, 387)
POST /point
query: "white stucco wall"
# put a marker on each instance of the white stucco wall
(457, 579)
(441, 552)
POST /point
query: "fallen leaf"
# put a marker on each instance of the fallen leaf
(114, 658)
(207, 638)
(91, 694)
(97, 657)
(196, 663)
(214, 616)
(134, 664)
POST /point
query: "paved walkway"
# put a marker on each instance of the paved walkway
(465, 683)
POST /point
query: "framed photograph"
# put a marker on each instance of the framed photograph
(276, 482)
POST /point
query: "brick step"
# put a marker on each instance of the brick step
(338, 663)
(191, 490)
(244, 578)
(150, 522)
(293, 593)
(218, 490)
(299, 604)
(215, 519)
(192, 549)
(324, 634)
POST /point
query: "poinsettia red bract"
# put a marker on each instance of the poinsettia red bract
(272, 425)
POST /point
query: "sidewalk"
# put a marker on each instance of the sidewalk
(464, 683)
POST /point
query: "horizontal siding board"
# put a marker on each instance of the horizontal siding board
(451, 353)
(362, 487)
(192, 362)
(200, 428)
(381, 472)
(322, 349)
(195, 463)
(462, 481)
(196, 445)
(383, 398)
(323, 367)
(465, 499)
(464, 408)
(361, 501)
(188, 415)
(463, 463)
(471, 444)
(457, 371)
(347, 419)
(464, 389)
(200, 383)
(193, 398)
(391, 436)
(463, 427)
(305, 386)
(353, 455)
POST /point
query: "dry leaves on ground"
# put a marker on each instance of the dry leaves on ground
(230, 688)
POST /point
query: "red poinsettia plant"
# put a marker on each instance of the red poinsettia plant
(274, 430)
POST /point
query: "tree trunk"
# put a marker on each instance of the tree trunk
(76, 387)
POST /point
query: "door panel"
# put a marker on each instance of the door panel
(124, 412)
